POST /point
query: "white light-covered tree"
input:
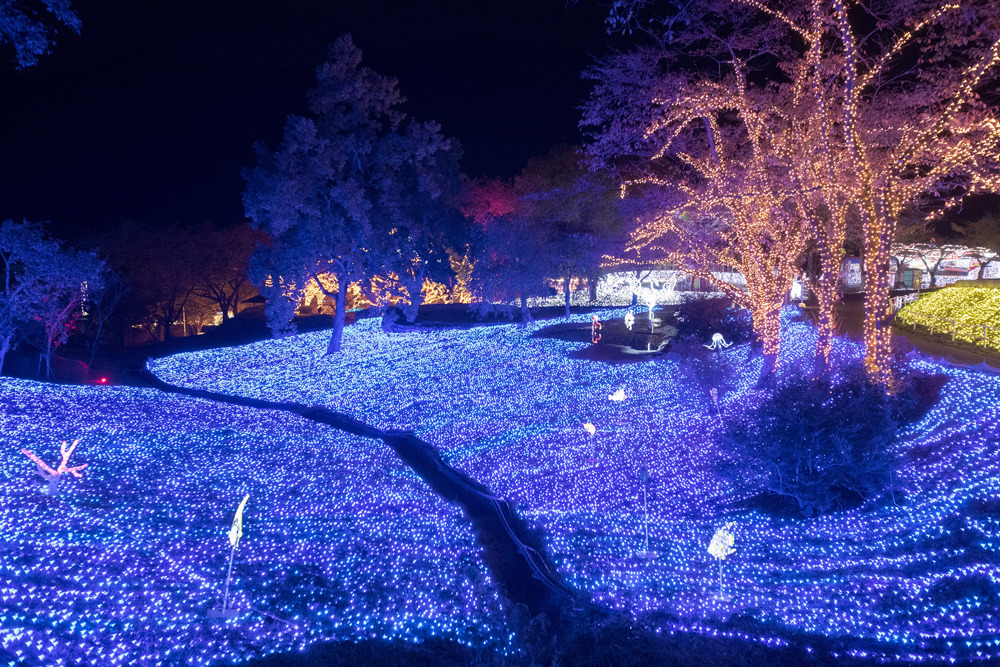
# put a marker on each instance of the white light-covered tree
(579, 210)
(30, 32)
(417, 213)
(318, 195)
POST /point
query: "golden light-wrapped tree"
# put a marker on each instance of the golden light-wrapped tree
(728, 203)
(921, 147)
(882, 98)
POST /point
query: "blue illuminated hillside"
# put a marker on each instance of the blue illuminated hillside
(343, 541)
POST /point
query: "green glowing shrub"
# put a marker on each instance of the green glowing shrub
(966, 309)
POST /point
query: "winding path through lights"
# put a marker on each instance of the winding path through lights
(345, 542)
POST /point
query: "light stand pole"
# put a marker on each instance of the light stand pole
(644, 476)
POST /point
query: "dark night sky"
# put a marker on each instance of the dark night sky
(151, 113)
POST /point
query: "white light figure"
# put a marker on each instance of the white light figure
(795, 294)
(51, 476)
(649, 298)
(644, 477)
(618, 396)
(235, 533)
(718, 342)
(720, 547)
(629, 320)
(592, 431)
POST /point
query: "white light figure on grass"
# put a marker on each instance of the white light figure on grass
(722, 545)
(795, 293)
(629, 320)
(618, 396)
(235, 533)
(718, 342)
(592, 430)
(51, 476)
(644, 477)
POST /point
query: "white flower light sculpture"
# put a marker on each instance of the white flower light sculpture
(722, 545)
(235, 533)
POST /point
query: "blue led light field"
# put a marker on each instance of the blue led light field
(915, 580)
(342, 541)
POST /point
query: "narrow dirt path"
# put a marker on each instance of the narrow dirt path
(520, 569)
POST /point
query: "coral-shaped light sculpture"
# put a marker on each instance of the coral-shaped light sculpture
(54, 476)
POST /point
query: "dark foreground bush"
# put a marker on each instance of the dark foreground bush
(698, 319)
(821, 445)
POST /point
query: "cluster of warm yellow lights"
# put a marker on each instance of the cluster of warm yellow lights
(971, 314)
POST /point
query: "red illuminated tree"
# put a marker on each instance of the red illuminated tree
(510, 250)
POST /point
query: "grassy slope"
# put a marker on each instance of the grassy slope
(510, 411)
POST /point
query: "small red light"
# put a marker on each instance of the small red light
(102, 380)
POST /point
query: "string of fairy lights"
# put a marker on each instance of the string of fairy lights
(342, 541)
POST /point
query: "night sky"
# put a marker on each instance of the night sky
(151, 113)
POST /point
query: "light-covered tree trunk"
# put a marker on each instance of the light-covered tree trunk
(767, 324)
(339, 317)
(525, 311)
(566, 280)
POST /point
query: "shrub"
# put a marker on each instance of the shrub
(824, 444)
(699, 318)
